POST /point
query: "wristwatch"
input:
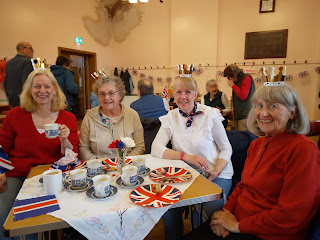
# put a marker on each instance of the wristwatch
(182, 155)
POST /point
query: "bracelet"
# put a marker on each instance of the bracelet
(182, 155)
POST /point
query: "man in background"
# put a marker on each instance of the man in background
(62, 72)
(149, 105)
(17, 71)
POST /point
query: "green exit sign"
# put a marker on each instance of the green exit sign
(79, 40)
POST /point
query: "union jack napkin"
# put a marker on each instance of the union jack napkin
(32, 207)
(5, 164)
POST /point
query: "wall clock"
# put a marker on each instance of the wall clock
(267, 6)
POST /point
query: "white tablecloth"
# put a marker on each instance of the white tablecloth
(115, 218)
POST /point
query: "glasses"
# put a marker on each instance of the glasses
(29, 48)
(104, 94)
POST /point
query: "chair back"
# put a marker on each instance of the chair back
(240, 142)
(151, 127)
(315, 232)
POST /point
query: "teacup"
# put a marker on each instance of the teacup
(94, 167)
(78, 178)
(101, 185)
(129, 175)
(140, 163)
(52, 181)
(51, 130)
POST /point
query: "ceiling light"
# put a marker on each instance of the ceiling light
(144, 1)
(133, 1)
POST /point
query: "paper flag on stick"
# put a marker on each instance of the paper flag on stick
(5, 164)
(32, 207)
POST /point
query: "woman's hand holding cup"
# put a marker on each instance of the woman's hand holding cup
(64, 133)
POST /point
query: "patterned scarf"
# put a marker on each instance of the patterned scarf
(190, 115)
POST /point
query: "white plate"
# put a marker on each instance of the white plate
(146, 172)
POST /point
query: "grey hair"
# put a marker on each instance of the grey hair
(145, 86)
(211, 82)
(116, 81)
(286, 95)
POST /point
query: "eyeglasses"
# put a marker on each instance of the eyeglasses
(103, 94)
(29, 48)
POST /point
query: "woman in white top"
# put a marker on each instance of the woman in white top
(198, 138)
(217, 99)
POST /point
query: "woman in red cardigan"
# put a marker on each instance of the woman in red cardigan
(279, 192)
(22, 135)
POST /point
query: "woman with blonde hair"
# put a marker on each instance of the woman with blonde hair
(22, 135)
(108, 122)
(198, 138)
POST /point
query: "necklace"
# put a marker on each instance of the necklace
(264, 145)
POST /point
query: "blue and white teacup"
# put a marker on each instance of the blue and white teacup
(129, 175)
(101, 185)
(94, 167)
(78, 178)
(140, 163)
(51, 130)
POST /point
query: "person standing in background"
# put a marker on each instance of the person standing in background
(242, 90)
(62, 72)
(17, 71)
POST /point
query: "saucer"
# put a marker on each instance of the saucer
(67, 186)
(113, 191)
(119, 181)
(103, 171)
(146, 172)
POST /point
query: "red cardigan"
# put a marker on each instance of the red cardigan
(279, 192)
(26, 147)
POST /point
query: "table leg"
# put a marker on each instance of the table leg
(200, 213)
(191, 209)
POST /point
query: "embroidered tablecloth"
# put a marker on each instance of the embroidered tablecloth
(114, 218)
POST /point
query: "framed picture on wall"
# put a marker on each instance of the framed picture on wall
(267, 6)
(266, 44)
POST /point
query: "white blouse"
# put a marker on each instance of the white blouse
(206, 137)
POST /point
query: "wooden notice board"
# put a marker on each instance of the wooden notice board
(266, 44)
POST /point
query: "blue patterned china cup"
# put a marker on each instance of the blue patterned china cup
(51, 130)
(101, 185)
(140, 163)
(94, 167)
(129, 175)
(78, 178)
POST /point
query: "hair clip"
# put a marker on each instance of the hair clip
(273, 84)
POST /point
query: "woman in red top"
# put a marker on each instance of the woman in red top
(22, 135)
(279, 192)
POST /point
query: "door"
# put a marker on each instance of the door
(83, 66)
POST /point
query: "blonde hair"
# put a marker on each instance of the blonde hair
(286, 95)
(26, 100)
(188, 82)
(116, 81)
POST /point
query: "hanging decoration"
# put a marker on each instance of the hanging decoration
(220, 74)
(317, 69)
(159, 79)
(150, 78)
(303, 74)
(198, 71)
(142, 75)
(288, 78)
(258, 80)
(134, 72)
(169, 79)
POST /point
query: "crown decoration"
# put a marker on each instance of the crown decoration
(273, 84)
(96, 75)
(36, 63)
(185, 70)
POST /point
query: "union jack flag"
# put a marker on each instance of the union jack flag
(34, 207)
(170, 175)
(5, 164)
(145, 197)
(165, 92)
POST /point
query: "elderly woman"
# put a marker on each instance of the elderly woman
(279, 192)
(108, 122)
(22, 135)
(208, 150)
(217, 99)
